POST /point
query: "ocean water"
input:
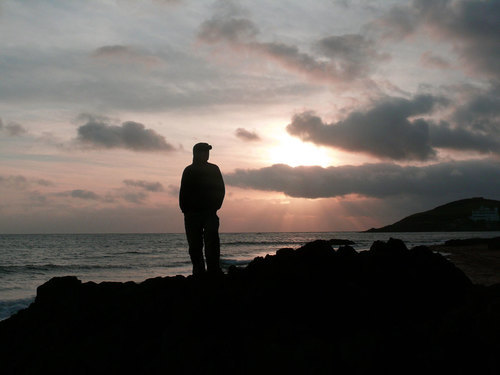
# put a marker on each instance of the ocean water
(27, 261)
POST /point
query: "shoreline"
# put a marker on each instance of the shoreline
(480, 264)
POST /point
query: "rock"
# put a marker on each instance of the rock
(391, 247)
(494, 243)
(57, 289)
(346, 251)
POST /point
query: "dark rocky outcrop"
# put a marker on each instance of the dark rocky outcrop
(312, 310)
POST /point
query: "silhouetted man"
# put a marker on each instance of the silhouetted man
(201, 195)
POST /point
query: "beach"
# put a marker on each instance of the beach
(480, 264)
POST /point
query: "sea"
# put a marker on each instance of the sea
(29, 260)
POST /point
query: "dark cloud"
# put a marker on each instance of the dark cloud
(137, 195)
(352, 54)
(235, 30)
(79, 194)
(461, 178)
(399, 22)
(146, 185)
(125, 54)
(343, 58)
(480, 111)
(84, 194)
(20, 182)
(247, 135)
(392, 129)
(471, 26)
(16, 182)
(43, 182)
(474, 27)
(444, 135)
(12, 129)
(387, 130)
(99, 133)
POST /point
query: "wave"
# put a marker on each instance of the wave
(30, 268)
(234, 262)
(272, 243)
(9, 307)
(50, 267)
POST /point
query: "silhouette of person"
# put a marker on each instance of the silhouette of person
(201, 195)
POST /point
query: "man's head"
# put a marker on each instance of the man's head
(201, 151)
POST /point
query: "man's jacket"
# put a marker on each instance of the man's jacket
(202, 188)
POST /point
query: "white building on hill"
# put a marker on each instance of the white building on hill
(485, 214)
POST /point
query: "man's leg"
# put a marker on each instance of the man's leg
(193, 224)
(212, 242)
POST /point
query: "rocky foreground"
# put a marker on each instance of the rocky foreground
(313, 310)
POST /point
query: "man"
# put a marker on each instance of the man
(201, 195)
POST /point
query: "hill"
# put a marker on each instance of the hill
(473, 214)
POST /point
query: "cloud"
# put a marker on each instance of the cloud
(342, 58)
(130, 135)
(135, 197)
(20, 182)
(146, 185)
(446, 136)
(352, 54)
(399, 22)
(169, 2)
(471, 26)
(233, 30)
(432, 61)
(79, 194)
(247, 135)
(84, 194)
(387, 130)
(460, 178)
(394, 128)
(12, 129)
(125, 54)
(16, 182)
(480, 111)
(173, 190)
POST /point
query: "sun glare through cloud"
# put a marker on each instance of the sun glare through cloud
(294, 152)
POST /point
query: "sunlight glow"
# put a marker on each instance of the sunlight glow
(294, 152)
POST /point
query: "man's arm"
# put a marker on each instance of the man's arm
(220, 188)
(183, 194)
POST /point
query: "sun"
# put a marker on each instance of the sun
(294, 152)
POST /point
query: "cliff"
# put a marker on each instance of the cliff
(462, 215)
(310, 310)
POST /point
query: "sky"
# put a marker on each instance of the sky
(326, 115)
